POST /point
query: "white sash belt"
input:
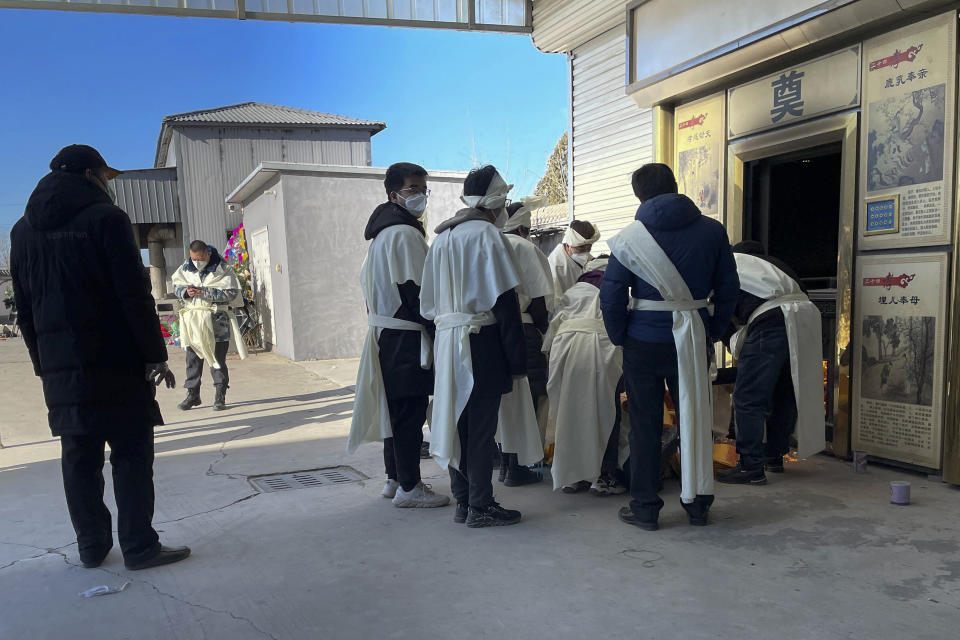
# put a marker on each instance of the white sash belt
(426, 345)
(582, 325)
(475, 321)
(637, 304)
(738, 338)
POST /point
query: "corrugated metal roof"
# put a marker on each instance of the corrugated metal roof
(552, 215)
(260, 113)
(149, 196)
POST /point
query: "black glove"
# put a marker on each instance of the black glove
(158, 373)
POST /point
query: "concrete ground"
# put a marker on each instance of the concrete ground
(818, 553)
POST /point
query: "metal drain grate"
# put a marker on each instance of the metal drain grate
(306, 479)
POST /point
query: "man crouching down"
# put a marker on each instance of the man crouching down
(468, 291)
(208, 287)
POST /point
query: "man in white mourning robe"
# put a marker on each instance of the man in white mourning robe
(585, 371)
(523, 412)
(775, 335)
(469, 282)
(655, 297)
(395, 378)
(568, 259)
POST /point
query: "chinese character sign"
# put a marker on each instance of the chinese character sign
(898, 356)
(699, 144)
(809, 90)
(787, 96)
(908, 121)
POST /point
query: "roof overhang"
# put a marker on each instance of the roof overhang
(510, 16)
(821, 30)
(265, 172)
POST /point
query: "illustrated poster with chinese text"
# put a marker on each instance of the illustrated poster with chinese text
(898, 363)
(908, 115)
(699, 145)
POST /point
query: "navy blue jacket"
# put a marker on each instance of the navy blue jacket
(698, 247)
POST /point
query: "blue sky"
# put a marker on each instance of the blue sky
(450, 99)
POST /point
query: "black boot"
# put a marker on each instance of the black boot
(517, 476)
(504, 463)
(220, 401)
(192, 400)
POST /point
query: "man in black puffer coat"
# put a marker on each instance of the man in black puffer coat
(90, 325)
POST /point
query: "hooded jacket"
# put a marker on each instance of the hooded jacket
(400, 350)
(499, 351)
(698, 247)
(221, 321)
(85, 309)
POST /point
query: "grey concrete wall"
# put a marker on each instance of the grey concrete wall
(325, 217)
(267, 210)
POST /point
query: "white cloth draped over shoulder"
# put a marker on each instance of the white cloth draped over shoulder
(636, 249)
(804, 335)
(196, 314)
(564, 271)
(467, 268)
(585, 368)
(518, 431)
(395, 256)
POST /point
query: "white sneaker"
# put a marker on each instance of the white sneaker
(390, 488)
(421, 496)
(607, 485)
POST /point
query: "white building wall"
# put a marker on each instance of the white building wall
(611, 136)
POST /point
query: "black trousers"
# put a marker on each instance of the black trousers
(647, 366)
(221, 377)
(764, 395)
(472, 483)
(611, 457)
(131, 457)
(401, 453)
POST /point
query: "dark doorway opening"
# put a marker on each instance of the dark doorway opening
(792, 207)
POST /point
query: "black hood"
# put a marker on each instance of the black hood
(466, 215)
(669, 211)
(59, 197)
(390, 214)
(212, 265)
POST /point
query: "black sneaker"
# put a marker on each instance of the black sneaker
(492, 515)
(166, 555)
(576, 487)
(629, 517)
(460, 515)
(739, 475)
(774, 464)
(425, 451)
(518, 475)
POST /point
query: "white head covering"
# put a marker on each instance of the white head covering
(595, 264)
(574, 239)
(523, 217)
(495, 198)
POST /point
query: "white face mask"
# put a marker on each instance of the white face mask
(581, 258)
(415, 204)
(201, 264)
